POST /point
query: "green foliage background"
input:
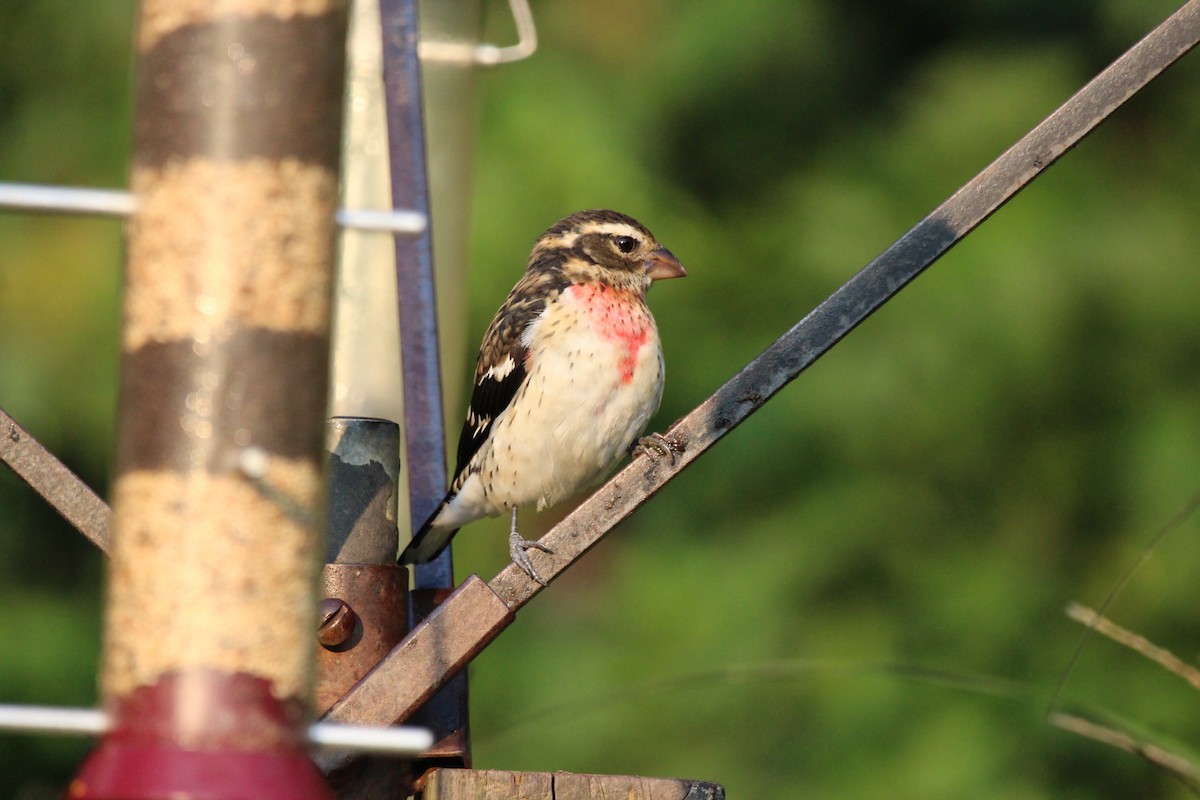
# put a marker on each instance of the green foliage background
(859, 592)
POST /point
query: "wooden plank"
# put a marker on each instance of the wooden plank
(568, 786)
(477, 784)
(481, 784)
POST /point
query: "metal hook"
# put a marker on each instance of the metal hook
(488, 55)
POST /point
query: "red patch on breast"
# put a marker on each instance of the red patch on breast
(618, 317)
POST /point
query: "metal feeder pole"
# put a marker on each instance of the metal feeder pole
(446, 713)
(218, 494)
(363, 612)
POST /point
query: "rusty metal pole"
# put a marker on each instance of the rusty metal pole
(364, 607)
(363, 613)
(218, 491)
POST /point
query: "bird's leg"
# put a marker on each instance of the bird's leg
(653, 443)
(517, 547)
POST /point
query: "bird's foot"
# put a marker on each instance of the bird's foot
(517, 548)
(652, 444)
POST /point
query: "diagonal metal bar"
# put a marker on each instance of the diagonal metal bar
(370, 701)
(49, 477)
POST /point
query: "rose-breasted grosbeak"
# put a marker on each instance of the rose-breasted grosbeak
(569, 373)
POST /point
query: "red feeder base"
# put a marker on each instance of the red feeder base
(202, 735)
(127, 771)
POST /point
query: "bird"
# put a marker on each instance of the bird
(569, 373)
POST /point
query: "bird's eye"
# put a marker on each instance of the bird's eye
(626, 244)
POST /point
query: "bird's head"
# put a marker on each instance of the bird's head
(608, 247)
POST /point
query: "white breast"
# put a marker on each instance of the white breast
(595, 376)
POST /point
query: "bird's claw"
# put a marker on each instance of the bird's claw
(653, 443)
(517, 548)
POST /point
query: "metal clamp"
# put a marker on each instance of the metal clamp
(488, 55)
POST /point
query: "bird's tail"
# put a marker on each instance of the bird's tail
(427, 544)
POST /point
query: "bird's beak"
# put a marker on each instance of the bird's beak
(660, 265)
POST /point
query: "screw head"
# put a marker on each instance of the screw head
(335, 622)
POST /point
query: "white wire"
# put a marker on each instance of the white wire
(395, 741)
(44, 719)
(367, 739)
(411, 222)
(118, 203)
(31, 197)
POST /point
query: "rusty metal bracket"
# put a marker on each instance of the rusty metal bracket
(439, 647)
(447, 712)
(59, 486)
(365, 616)
(364, 613)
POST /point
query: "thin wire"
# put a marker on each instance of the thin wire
(364, 739)
(398, 221)
(66, 199)
(45, 719)
(395, 741)
(121, 203)
(784, 671)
